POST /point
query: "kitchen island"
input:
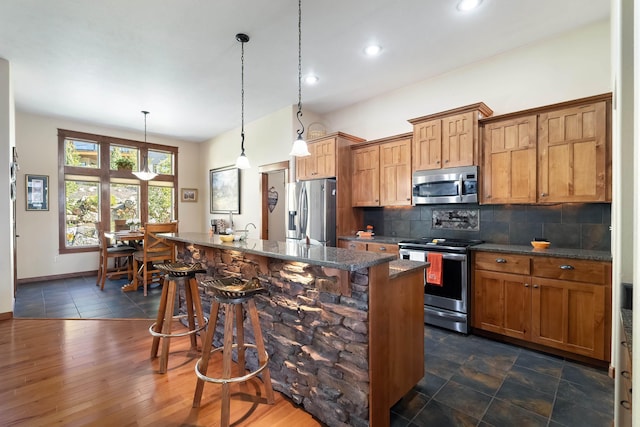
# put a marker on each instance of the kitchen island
(343, 329)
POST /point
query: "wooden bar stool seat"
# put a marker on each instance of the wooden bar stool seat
(184, 274)
(231, 293)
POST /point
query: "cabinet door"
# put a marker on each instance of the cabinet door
(569, 316)
(572, 154)
(325, 158)
(306, 166)
(502, 303)
(509, 165)
(366, 176)
(383, 248)
(352, 245)
(427, 145)
(458, 141)
(395, 173)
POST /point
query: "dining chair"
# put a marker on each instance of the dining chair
(120, 224)
(155, 249)
(122, 256)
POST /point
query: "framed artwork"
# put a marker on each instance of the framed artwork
(224, 184)
(37, 192)
(189, 194)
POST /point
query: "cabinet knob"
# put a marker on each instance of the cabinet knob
(446, 161)
(501, 260)
(625, 404)
(408, 199)
(543, 194)
(535, 286)
(488, 196)
(626, 374)
(382, 248)
(437, 162)
(526, 285)
(567, 267)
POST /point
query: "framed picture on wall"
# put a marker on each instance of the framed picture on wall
(224, 186)
(37, 192)
(189, 194)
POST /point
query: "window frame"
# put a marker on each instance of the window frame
(105, 175)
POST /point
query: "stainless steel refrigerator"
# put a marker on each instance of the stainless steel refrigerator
(311, 211)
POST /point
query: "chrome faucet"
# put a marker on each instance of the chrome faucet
(246, 230)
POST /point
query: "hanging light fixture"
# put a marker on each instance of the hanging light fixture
(145, 174)
(243, 161)
(300, 148)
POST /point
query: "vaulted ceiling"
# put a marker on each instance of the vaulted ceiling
(103, 61)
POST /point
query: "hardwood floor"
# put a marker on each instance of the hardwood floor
(98, 373)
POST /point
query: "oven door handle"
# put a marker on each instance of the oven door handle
(452, 257)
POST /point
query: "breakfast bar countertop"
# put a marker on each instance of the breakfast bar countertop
(325, 256)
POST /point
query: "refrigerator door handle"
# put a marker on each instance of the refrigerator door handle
(303, 208)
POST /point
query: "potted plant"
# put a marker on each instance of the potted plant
(134, 224)
(124, 163)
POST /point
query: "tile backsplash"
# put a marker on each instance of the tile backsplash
(568, 225)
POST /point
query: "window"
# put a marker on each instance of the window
(96, 190)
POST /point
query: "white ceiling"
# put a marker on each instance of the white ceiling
(103, 61)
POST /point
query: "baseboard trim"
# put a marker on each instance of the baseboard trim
(57, 277)
(6, 316)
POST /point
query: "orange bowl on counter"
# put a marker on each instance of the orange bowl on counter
(540, 244)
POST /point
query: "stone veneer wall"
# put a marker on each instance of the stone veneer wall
(317, 341)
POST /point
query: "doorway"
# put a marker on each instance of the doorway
(273, 179)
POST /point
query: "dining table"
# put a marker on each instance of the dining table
(133, 237)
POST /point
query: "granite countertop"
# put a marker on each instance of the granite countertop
(550, 252)
(627, 326)
(400, 267)
(375, 239)
(325, 256)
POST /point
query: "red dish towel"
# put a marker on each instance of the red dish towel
(434, 272)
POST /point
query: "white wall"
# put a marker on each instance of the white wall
(570, 66)
(267, 140)
(37, 145)
(7, 142)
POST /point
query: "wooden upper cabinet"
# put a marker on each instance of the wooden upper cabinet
(382, 172)
(395, 173)
(573, 154)
(459, 140)
(509, 162)
(366, 176)
(320, 164)
(447, 139)
(427, 145)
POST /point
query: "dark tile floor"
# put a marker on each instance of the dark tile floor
(469, 380)
(472, 381)
(79, 298)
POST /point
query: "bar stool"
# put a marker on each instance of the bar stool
(184, 274)
(232, 293)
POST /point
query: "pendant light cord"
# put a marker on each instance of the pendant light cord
(242, 95)
(299, 114)
(145, 138)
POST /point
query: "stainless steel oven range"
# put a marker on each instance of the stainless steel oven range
(446, 306)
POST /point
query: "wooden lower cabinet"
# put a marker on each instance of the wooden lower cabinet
(355, 245)
(558, 303)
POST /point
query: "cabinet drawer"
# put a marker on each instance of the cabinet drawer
(505, 263)
(383, 248)
(572, 269)
(352, 245)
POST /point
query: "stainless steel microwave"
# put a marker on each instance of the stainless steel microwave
(453, 185)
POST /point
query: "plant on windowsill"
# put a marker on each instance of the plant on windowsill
(124, 163)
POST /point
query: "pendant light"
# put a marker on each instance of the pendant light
(300, 148)
(145, 174)
(243, 160)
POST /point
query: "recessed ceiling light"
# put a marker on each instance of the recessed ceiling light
(465, 5)
(373, 50)
(311, 79)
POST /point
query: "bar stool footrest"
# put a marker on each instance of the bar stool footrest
(178, 334)
(243, 378)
